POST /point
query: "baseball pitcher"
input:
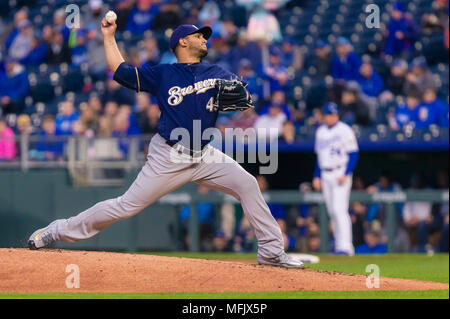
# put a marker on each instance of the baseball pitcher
(337, 154)
(186, 91)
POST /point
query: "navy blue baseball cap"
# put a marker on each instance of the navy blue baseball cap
(185, 30)
(330, 108)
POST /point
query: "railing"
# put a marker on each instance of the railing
(390, 199)
(85, 158)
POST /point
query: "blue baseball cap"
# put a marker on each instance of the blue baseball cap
(185, 30)
(320, 44)
(398, 6)
(342, 41)
(420, 61)
(330, 108)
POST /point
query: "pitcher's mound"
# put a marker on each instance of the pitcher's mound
(22, 270)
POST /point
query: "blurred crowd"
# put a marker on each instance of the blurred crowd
(395, 84)
(420, 226)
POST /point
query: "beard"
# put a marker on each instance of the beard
(202, 53)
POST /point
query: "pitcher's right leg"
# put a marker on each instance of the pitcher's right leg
(157, 178)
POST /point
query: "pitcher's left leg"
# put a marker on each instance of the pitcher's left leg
(222, 173)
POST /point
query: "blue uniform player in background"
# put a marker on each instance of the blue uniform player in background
(186, 93)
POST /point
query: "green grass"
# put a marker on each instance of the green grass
(379, 294)
(408, 266)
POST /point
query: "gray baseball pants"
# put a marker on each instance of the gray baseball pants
(165, 170)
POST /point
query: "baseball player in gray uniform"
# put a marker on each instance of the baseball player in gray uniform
(337, 154)
(185, 92)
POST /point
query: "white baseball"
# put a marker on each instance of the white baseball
(111, 16)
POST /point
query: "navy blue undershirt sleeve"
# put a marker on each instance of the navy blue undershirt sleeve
(352, 160)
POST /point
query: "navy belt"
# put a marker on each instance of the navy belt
(185, 150)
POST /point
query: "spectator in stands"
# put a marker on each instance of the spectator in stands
(147, 114)
(291, 54)
(49, 146)
(94, 15)
(95, 52)
(435, 20)
(14, 87)
(384, 184)
(407, 113)
(437, 110)
(105, 126)
(313, 238)
(242, 120)
(89, 119)
(369, 80)
(220, 242)
(64, 121)
(59, 24)
(37, 53)
(121, 127)
(263, 26)
(420, 77)
(20, 17)
(205, 215)
(345, 64)
(304, 218)
(142, 16)
(23, 125)
(95, 103)
(123, 10)
(249, 76)
(142, 104)
(417, 217)
(21, 46)
(7, 142)
(78, 47)
(229, 31)
(358, 212)
(58, 50)
(151, 54)
(372, 244)
(396, 80)
(125, 124)
(244, 239)
(430, 111)
(270, 125)
(321, 59)
(353, 109)
(287, 133)
(401, 32)
(276, 73)
(111, 109)
(169, 16)
(245, 49)
(209, 14)
(278, 99)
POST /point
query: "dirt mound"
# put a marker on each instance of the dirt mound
(22, 270)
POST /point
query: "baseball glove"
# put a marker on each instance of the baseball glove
(232, 95)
